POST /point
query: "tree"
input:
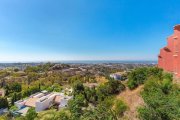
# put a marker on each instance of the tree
(90, 95)
(111, 87)
(13, 98)
(32, 76)
(30, 90)
(53, 114)
(114, 86)
(75, 106)
(16, 70)
(62, 115)
(102, 92)
(103, 111)
(78, 88)
(31, 114)
(3, 102)
(14, 87)
(139, 75)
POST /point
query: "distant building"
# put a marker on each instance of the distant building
(42, 101)
(116, 76)
(169, 57)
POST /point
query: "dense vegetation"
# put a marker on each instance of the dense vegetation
(139, 75)
(160, 95)
(88, 104)
(96, 103)
(162, 100)
(3, 102)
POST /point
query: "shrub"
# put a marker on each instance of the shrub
(140, 75)
(75, 105)
(162, 100)
(120, 107)
(112, 87)
(13, 108)
(31, 114)
(3, 102)
(137, 77)
(78, 88)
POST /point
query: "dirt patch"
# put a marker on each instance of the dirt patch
(176, 80)
(133, 99)
(101, 79)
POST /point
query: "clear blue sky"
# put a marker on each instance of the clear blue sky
(47, 30)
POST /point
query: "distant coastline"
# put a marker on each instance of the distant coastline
(90, 62)
(110, 62)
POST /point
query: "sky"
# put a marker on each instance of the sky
(55, 30)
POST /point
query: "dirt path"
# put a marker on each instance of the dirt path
(133, 100)
(176, 80)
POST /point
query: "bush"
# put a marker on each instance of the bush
(112, 87)
(168, 76)
(102, 112)
(75, 105)
(120, 107)
(62, 115)
(148, 114)
(140, 75)
(162, 100)
(3, 102)
(132, 84)
(78, 88)
(137, 77)
(31, 114)
(13, 108)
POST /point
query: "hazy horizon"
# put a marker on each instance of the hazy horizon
(85, 62)
(45, 61)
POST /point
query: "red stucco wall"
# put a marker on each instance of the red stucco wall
(169, 57)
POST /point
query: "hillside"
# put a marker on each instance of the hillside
(133, 99)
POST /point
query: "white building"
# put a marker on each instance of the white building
(44, 100)
(116, 76)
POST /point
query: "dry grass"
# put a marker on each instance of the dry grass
(101, 79)
(176, 80)
(133, 99)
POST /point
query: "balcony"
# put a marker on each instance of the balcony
(159, 56)
(167, 49)
(175, 73)
(175, 37)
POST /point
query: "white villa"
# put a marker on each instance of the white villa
(115, 76)
(42, 101)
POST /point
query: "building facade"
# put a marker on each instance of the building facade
(169, 57)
